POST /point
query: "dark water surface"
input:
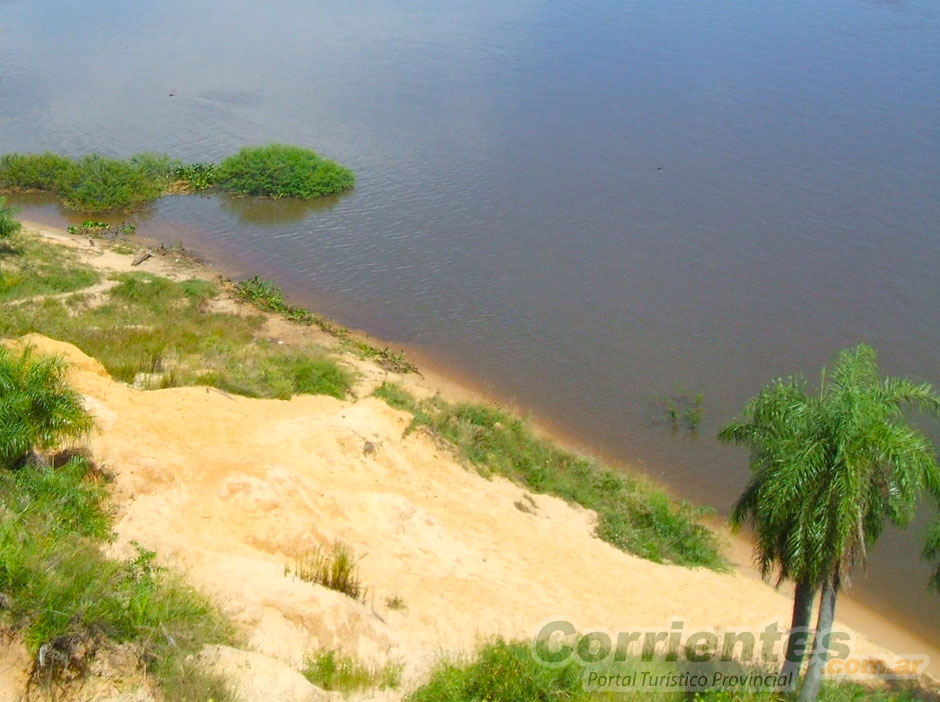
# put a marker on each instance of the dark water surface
(579, 204)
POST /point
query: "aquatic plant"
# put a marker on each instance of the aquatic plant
(31, 171)
(684, 407)
(279, 170)
(196, 176)
(95, 228)
(98, 184)
(158, 168)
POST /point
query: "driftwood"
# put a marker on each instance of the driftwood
(141, 256)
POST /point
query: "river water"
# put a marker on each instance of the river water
(580, 205)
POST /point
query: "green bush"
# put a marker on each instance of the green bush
(505, 671)
(38, 409)
(98, 184)
(32, 171)
(9, 226)
(279, 170)
(501, 672)
(93, 183)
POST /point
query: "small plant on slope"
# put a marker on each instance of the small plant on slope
(335, 569)
(38, 409)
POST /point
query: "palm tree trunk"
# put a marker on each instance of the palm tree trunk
(799, 633)
(827, 611)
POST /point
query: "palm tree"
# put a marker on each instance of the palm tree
(38, 409)
(772, 426)
(828, 472)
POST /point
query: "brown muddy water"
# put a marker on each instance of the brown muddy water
(580, 205)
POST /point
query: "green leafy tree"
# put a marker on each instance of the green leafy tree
(38, 409)
(828, 472)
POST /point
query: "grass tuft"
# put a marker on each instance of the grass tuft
(633, 514)
(335, 568)
(330, 670)
(396, 603)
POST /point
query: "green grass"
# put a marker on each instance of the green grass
(163, 333)
(267, 296)
(330, 670)
(98, 184)
(74, 492)
(334, 568)
(633, 514)
(29, 268)
(68, 599)
(278, 170)
(507, 672)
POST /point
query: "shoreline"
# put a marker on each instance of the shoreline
(455, 385)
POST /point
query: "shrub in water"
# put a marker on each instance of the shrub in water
(198, 176)
(98, 184)
(157, 168)
(282, 171)
(31, 171)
